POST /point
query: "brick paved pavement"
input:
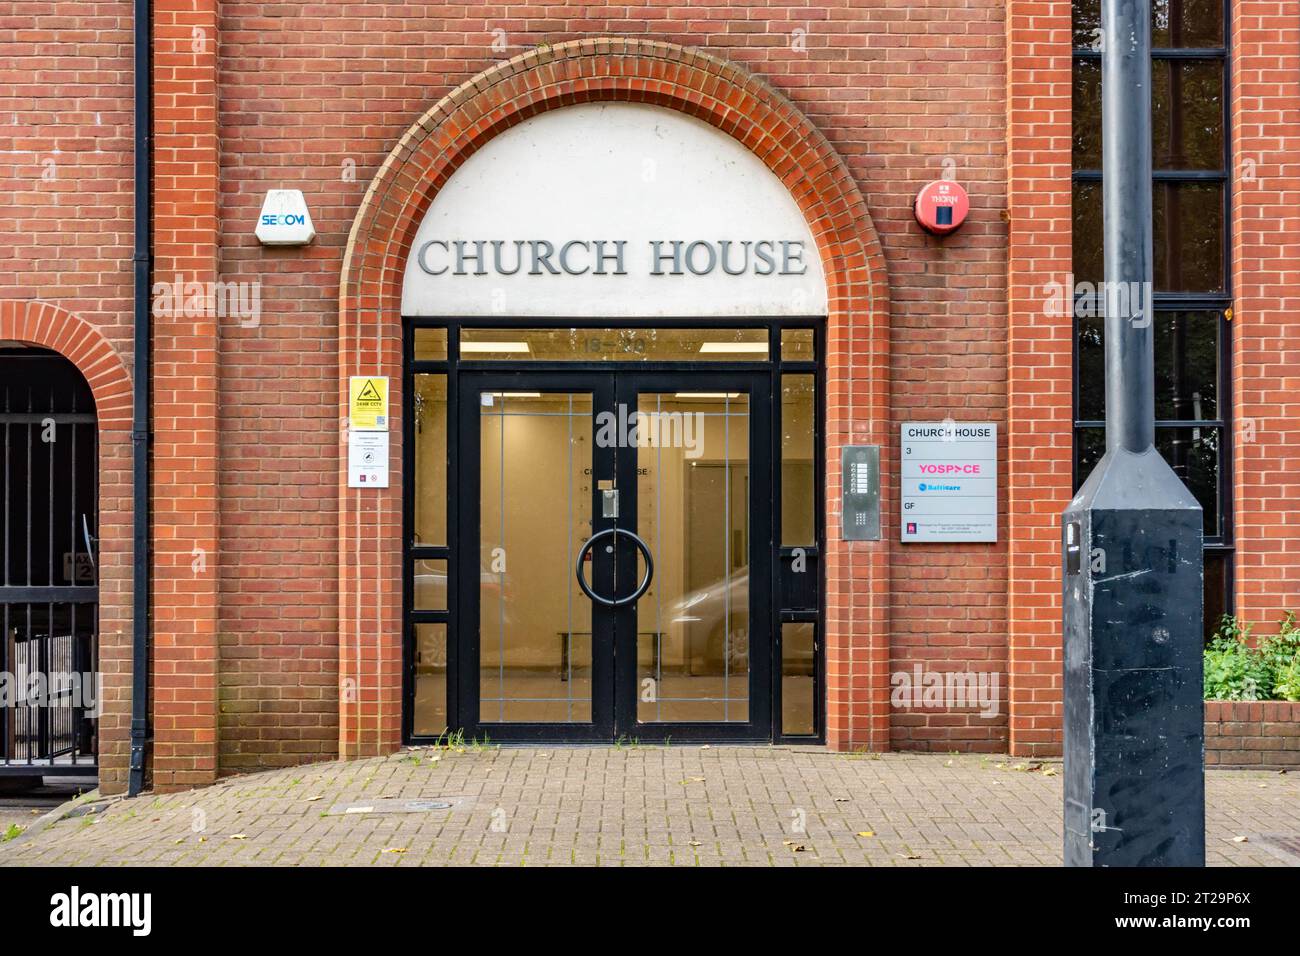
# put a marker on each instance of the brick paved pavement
(681, 805)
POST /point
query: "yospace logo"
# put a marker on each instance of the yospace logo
(95, 910)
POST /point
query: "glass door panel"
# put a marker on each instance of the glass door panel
(696, 647)
(693, 494)
(535, 512)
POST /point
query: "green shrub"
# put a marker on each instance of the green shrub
(1282, 653)
(1270, 670)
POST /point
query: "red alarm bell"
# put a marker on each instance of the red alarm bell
(941, 207)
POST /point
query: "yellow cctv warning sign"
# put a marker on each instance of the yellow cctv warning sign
(368, 405)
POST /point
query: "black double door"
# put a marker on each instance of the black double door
(613, 567)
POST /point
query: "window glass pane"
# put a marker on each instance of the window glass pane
(430, 716)
(1089, 446)
(1092, 368)
(1087, 114)
(1087, 24)
(1186, 114)
(1193, 453)
(429, 585)
(1174, 23)
(614, 345)
(535, 624)
(430, 345)
(1187, 364)
(797, 345)
(1188, 223)
(430, 421)
(1189, 233)
(1186, 23)
(1218, 573)
(797, 669)
(1088, 264)
(798, 484)
(693, 509)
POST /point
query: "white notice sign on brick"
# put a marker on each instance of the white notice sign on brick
(367, 459)
(949, 480)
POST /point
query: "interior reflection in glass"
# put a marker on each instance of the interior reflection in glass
(693, 510)
(534, 622)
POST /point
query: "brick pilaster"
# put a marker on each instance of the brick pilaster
(1266, 321)
(186, 154)
(1039, 358)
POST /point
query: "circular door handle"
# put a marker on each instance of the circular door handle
(640, 588)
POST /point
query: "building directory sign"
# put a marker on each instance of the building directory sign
(949, 481)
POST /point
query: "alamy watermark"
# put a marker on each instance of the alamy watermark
(52, 689)
(192, 299)
(931, 690)
(627, 429)
(1088, 300)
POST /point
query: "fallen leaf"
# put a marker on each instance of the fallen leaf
(238, 836)
(394, 849)
(909, 856)
(799, 848)
(1240, 839)
(1049, 771)
(843, 799)
(695, 843)
(314, 799)
(866, 833)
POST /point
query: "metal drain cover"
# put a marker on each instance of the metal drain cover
(393, 805)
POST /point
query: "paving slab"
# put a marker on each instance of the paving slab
(634, 806)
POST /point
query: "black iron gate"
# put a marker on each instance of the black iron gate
(50, 688)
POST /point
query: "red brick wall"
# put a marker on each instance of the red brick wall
(65, 264)
(1266, 319)
(186, 556)
(1257, 735)
(316, 98)
(1039, 359)
(65, 159)
(304, 93)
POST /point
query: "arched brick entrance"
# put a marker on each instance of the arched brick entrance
(49, 326)
(857, 363)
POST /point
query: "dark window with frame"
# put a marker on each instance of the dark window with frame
(1189, 95)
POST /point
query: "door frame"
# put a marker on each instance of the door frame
(442, 360)
(600, 728)
(629, 384)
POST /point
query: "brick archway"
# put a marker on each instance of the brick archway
(50, 326)
(857, 362)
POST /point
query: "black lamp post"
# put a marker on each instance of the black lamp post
(1134, 731)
